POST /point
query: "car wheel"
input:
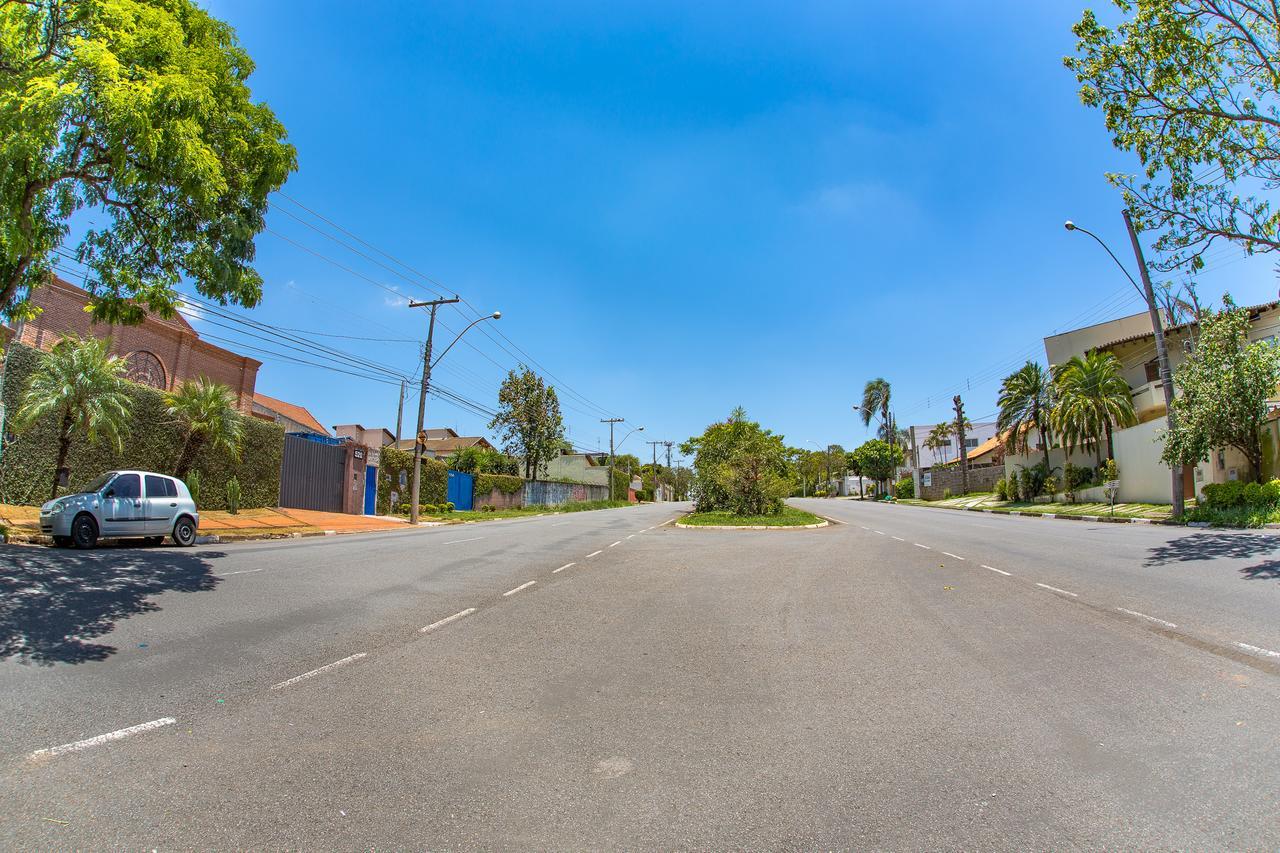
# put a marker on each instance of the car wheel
(62, 541)
(184, 531)
(84, 531)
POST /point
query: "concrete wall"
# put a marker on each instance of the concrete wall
(574, 466)
(1059, 349)
(541, 493)
(941, 480)
(499, 500)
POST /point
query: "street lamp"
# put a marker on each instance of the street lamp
(1162, 354)
(427, 365)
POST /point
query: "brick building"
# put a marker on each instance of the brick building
(160, 353)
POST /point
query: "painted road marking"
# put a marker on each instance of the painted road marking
(918, 545)
(517, 589)
(864, 527)
(998, 571)
(1149, 618)
(313, 673)
(562, 568)
(472, 539)
(1055, 589)
(241, 572)
(446, 620)
(619, 542)
(560, 524)
(632, 536)
(953, 556)
(879, 532)
(595, 553)
(1258, 650)
(899, 538)
(87, 743)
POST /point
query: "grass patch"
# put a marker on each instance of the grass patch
(1233, 516)
(989, 501)
(789, 517)
(522, 512)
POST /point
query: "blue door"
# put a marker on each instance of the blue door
(371, 490)
(461, 489)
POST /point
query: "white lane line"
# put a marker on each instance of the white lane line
(241, 572)
(1149, 618)
(619, 542)
(525, 585)
(899, 538)
(632, 536)
(446, 620)
(1259, 650)
(998, 571)
(864, 527)
(472, 539)
(118, 734)
(562, 568)
(313, 673)
(879, 532)
(1055, 589)
(918, 545)
(560, 524)
(953, 556)
(594, 553)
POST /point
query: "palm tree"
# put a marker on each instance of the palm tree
(939, 439)
(1092, 399)
(208, 415)
(1026, 400)
(875, 400)
(83, 386)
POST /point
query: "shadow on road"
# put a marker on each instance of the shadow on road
(53, 600)
(1229, 546)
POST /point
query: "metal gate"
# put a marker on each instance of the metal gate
(312, 475)
(461, 490)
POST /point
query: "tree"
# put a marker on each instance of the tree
(206, 412)
(878, 459)
(140, 111)
(1025, 401)
(482, 460)
(1191, 87)
(1225, 383)
(875, 400)
(528, 421)
(84, 387)
(1091, 398)
(739, 466)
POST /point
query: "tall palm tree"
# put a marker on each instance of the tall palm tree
(1092, 398)
(939, 439)
(875, 400)
(1026, 400)
(83, 386)
(208, 416)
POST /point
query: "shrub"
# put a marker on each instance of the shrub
(487, 484)
(233, 495)
(428, 509)
(1237, 494)
(193, 486)
(1002, 489)
(1075, 477)
(448, 506)
(402, 508)
(1051, 486)
(434, 487)
(906, 488)
(946, 493)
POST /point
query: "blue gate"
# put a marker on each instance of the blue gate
(371, 491)
(461, 489)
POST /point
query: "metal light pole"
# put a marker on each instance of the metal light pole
(1157, 328)
(427, 364)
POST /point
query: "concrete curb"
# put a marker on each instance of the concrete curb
(1055, 516)
(824, 523)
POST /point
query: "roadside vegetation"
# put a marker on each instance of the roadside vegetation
(446, 513)
(788, 517)
(742, 470)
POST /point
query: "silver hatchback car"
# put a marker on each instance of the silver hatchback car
(123, 505)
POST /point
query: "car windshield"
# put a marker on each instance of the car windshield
(97, 484)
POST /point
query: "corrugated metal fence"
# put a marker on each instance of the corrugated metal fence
(311, 475)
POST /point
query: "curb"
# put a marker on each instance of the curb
(824, 523)
(1055, 516)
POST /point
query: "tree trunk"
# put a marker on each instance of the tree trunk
(1044, 438)
(64, 445)
(183, 466)
(1111, 445)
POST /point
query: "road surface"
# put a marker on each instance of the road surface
(911, 678)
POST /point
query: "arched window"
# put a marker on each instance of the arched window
(145, 368)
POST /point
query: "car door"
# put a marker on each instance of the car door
(123, 512)
(161, 503)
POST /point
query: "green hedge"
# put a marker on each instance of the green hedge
(487, 484)
(1237, 494)
(434, 488)
(27, 463)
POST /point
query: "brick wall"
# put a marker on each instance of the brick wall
(173, 344)
(982, 478)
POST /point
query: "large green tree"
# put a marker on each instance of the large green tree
(83, 386)
(140, 111)
(740, 466)
(878, 460)
(1225, 382)
(528, 421)
(1025, 401)
(1091, 399)
(875, 401)
(206, 414)
(1193, 88)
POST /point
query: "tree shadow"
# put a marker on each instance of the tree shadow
(1227, 546)
(53, 600)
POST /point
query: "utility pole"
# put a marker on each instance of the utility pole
(1162, 355)
(654, 445)
(611, 422)
(673, 485)
(915, 464)
(964, 452)
(434, 305)
(400, 410)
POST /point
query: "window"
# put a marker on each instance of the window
(145, 368)
(946, 442)
(160, 487)
(971, 443)
(127, 486)
(1153, 370)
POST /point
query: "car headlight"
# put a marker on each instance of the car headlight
(57, 507)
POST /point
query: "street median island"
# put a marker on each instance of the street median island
(789, 519)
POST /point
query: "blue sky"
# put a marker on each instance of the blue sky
(681, 208)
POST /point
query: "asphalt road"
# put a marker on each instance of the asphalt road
(909, 679)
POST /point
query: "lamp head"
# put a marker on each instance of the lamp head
(1069, 225)
(497, 315)
(639, 429)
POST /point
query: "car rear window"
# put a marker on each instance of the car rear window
(160, 487)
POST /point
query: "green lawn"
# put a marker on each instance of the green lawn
(989, 501)
(789, 517)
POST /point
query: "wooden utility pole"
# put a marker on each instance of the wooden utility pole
(434, 304)
(611, 422)
(964, 453)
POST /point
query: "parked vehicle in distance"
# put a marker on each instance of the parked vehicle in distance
(123, 505)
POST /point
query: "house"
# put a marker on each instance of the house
(590, 468)
(1143, 477)
(292, 417)
(373, 440)
(159, 352)
(975, 436)
(443, 443)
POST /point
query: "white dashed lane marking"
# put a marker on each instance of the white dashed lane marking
(87, 743)
(446, 620)
(879, 532)
(1055, 589)
(457, 541)
(595, 553)
(313, 673)
(1148, 618)
(918, 545)
(619, 542)
(1258, 650)
(525, 585)
(562, 568)
(998, 571)
(953, 556)
(899, 538)
(241, 572)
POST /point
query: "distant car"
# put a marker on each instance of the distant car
(123, 505)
